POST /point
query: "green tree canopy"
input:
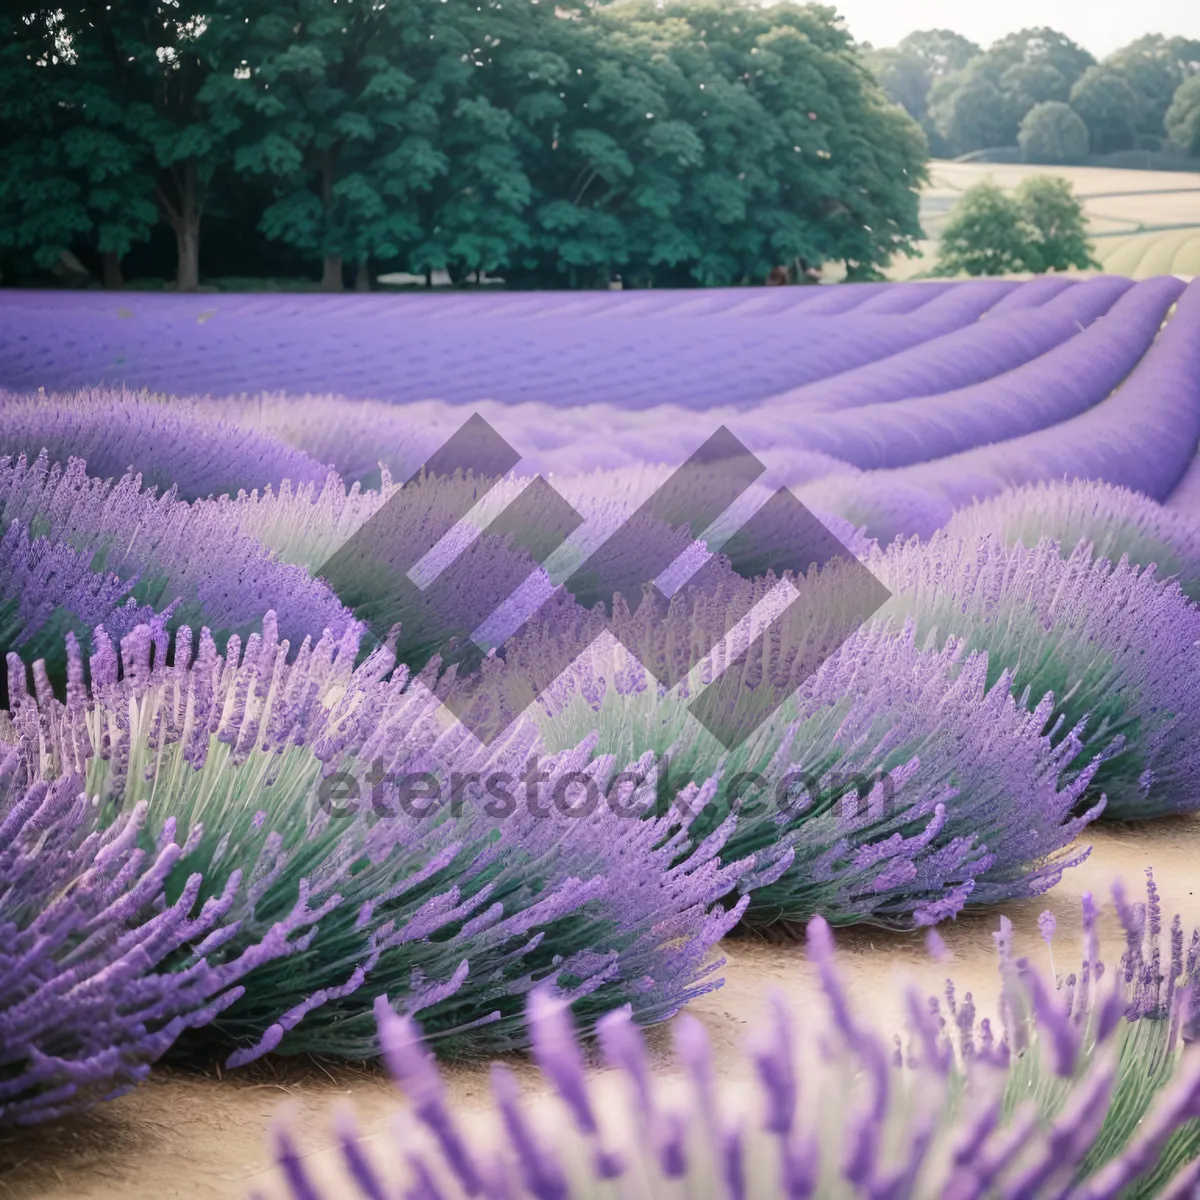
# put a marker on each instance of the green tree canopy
(1039, 228)
(1053, 132)
(692, 141)
(983, 104)
(941, 50)
(1155, 66)
(1055, 223)
(1109, 108)
(984, 234)
(1183, 117)
(707, 142)
(906, 72)
(904, 78)
(73, 175)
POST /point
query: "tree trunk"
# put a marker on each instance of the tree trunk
(362, 276)
(112, 270)
(331, 278)
(187, 243)
(183, 215)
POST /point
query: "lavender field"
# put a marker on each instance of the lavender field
(214, 883)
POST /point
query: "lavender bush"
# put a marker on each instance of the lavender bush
(170, 443)
(898, 783)
(106, 945)
(168, 554)
(1113, 521)
(1116, 648)
(455, 912)
(48, 588)
(1086, 1094)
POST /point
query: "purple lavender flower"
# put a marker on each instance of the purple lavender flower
(1114, 647)
(1046, 926)
(454, 913)
(1114, 521)
(172, 555)
(897, 784)
(957, 1118)
(172, 445)
(104, 945)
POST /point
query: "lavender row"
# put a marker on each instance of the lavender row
(356, 436)
(455, 304)
(1083, 1091)
(454, 912)
(1112, 521)
(167, 555)
(170, 444)
(1034, 396)
(1006, 339)
(1143, 437)
(104, 957)
(558, 360)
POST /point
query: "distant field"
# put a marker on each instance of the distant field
(1143, 222)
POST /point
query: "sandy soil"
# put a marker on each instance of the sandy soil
(192, 1135)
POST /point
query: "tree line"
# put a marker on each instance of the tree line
(688, 142)
(1040, 90)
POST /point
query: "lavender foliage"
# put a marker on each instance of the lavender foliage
(453, 905)
(1116, 649)
(1085, 1094)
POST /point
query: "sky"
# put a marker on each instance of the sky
(1100, 26)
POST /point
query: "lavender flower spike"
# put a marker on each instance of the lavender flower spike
(952, 1123)
(292, 767)
(99, 971)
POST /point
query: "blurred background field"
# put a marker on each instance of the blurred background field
(1142, 223)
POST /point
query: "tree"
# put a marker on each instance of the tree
(1001, 85)
(708, 142)
(1040, 228)
(942, 51)
(137, 70)
(971, 115)
(1154, 67)
(1053, 133)
(903, 77)
(1056, 223)
(1108, 107)
(346, 134)
(72, 176)
(1183, 117)
(984, 234)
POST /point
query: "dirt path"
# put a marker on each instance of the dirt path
(186, 1135)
